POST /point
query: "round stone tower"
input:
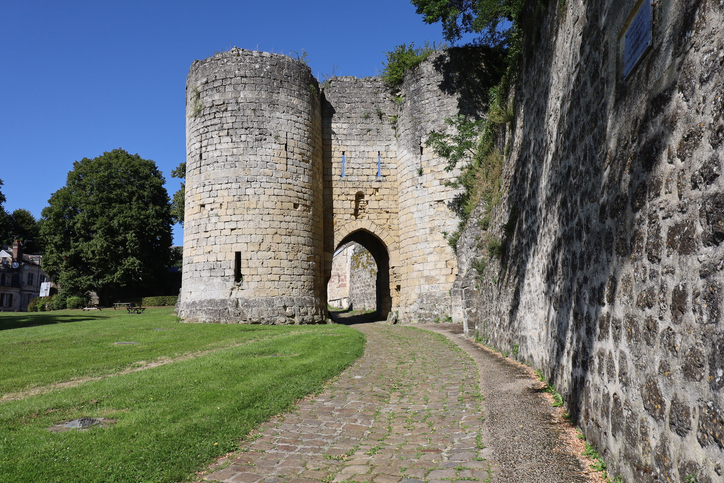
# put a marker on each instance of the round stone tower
(253, 218)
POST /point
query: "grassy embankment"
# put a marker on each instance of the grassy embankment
(177, 397)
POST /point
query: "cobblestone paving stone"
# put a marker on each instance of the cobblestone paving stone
(409, 410)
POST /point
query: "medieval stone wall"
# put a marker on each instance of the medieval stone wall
(281, 173)
(429, 266)
(359, 136)
(362, 279)
(253, 226)
(338, 285)
(612, 280)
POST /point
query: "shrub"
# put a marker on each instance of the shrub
(402, 58)
(35, 304)
(158, 301)
(76, 302)
(496, 248)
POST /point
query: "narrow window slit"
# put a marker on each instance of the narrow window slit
(238, 278)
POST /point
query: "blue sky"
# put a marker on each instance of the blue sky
(79, 78)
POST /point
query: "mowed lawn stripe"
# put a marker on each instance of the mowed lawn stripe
(171, 420)
(81, 346)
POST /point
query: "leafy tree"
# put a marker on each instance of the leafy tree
(24, 227)
(179, 197)
(492, 19)
(4, 220)
(109, 227)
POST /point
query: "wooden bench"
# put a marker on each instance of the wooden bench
(118, 305)
(92, 307)
(135, 310)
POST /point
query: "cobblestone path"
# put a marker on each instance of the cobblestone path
(409, 410)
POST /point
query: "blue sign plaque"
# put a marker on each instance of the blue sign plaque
(638, 37)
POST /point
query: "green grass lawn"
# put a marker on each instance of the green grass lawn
(219, 382)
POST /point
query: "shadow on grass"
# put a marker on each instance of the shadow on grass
(19, 320)
(351, 317)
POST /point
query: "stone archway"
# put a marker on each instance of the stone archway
(379, 252)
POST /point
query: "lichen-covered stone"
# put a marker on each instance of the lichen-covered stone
(653, 400)
(617, 419)
(706, 303)
(694, 364)
(711, 215)
(669, 341)
(650, 330)
(681, 238)
(679, 416)
(716, 364)
(711, 425)
(646, 298)
(679, 296)
(664, 463)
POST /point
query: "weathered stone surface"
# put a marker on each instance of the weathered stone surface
(711, 215)
(641, 159)
(711, 425)
(706, 303)
(282, 171)
(678, 302)
(716, 364)
(681, 238)
(653, 400)
(679, 417)
(694, 364)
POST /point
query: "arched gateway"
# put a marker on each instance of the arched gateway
(280, 173)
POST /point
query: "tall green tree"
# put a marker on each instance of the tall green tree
(4, 220)
(491, 19)
(109, 227)
(179, 197)
(25, 227)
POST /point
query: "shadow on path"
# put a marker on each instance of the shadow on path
(353, 317)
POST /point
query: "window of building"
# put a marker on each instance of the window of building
(30, 278)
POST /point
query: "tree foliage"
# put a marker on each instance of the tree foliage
(492, 19)
(24, 227)
(109, 227)
(179, 197)
(470, 145)
(4, 220)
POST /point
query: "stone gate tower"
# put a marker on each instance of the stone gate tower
(280, 173)
(253, 225)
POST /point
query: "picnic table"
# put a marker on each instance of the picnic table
(117, 305)
(135, 310)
